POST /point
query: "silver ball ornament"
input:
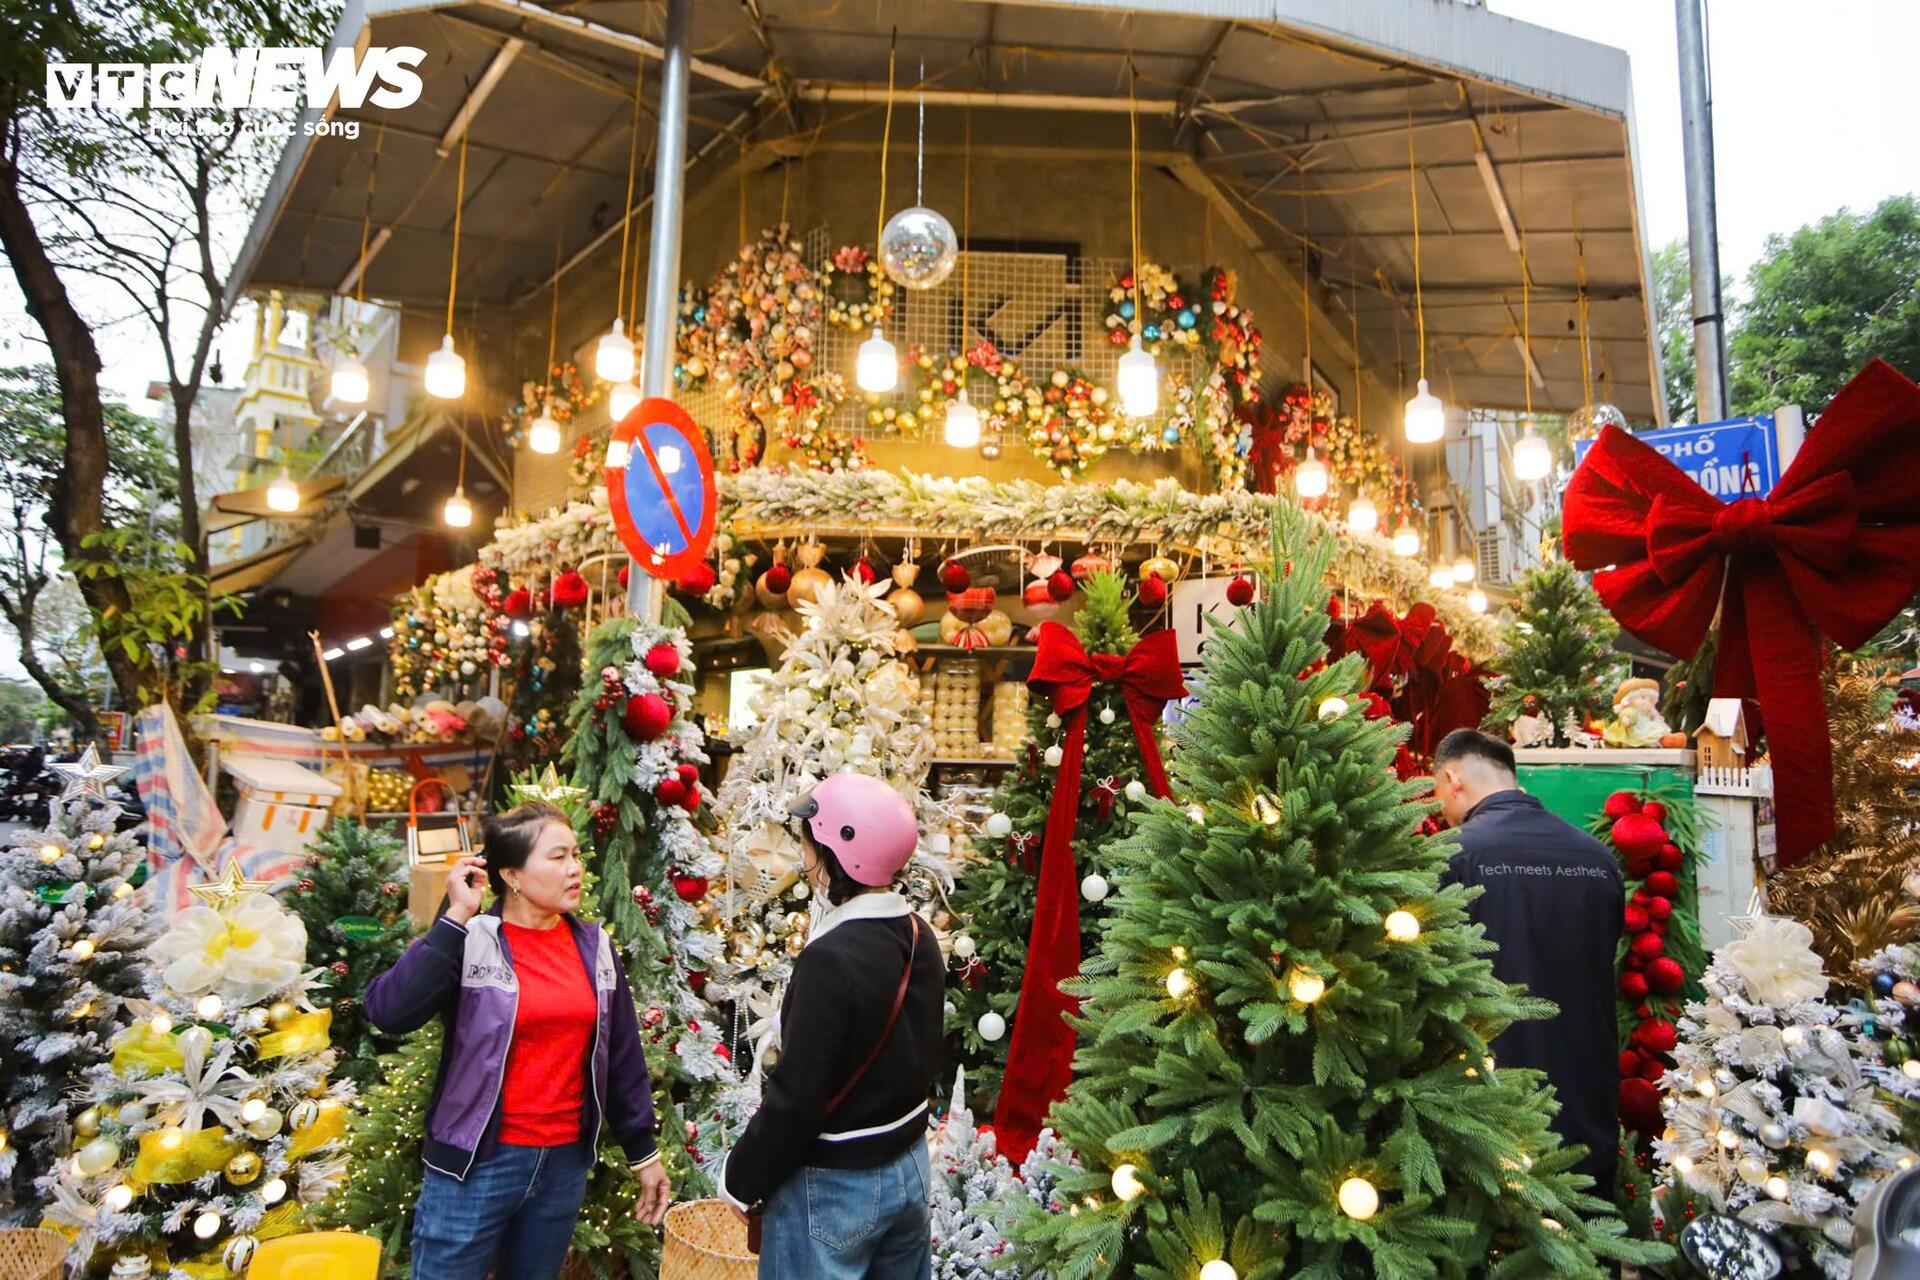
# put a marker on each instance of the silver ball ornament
(1054, 756)
(918, 248)
(1774, 1134)
(999, 826)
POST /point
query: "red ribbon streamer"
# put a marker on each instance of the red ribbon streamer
(1833, 551)
(1040, 1059)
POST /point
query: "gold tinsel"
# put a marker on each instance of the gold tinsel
(1853, 891)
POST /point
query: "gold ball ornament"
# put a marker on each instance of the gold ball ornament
(806, 585)
(87, 1123)
(268, 1124)
(908, 605)
(796, 943)
(1164, 566)
(244, 1169)
(1907, 994)
(304, 1114)
(280, 1011)
(238, 1255)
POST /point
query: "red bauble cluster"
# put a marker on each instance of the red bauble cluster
(1648, 855)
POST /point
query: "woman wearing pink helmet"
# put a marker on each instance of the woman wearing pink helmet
(834, 1164)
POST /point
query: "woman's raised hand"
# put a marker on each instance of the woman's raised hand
(465, 883)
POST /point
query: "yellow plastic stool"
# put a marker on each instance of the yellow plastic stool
(317, 1255)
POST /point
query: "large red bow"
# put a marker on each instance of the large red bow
(1040, 1059)
(1834, 550)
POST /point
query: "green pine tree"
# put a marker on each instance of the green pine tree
(352, 897)
(994, 896)
(1282, 1063)
(384, 1138)
(1557, 651)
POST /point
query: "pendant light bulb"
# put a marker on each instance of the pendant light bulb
(1362, 516)
(1441, 576)
(877, 367)
(963, 422)
(458, 513)
(1532, 458)
(1138, 381)
(622, 399)
(1464, 570)
(1406, 541)
(1426, 417)
(1310, 477)
(446, 372)
(613, 354)
(543, 434)
(283, 495)
(349, 383)
(1477, 600)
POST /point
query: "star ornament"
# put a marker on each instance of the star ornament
(87, 776)
(231, 889)
(546, 789)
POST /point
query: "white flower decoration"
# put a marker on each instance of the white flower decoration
(245, 956)
(1776, 961)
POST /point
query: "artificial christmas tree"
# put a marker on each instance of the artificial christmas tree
(384, 1138)
(1557, 649)
(215, 1123)
(72, 941)
(1772, 1116)
(976, 1192)
(352, 898)
(994, 898)
(1283, 1066)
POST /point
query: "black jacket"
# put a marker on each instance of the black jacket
(1553, 902)
(836, 1005)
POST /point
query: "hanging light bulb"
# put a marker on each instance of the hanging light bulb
(543, 434)
(349, 384)
(1441, 576)
(1362, 516)
(1402, 926)
(446, 372)
(622, 399)
(1179, 984)
(1138, 380)
(963, 422)
(1464, 570)
(1310, 477)
(458, 513)
(1126, 1183)
(877, 367)
(283, 495)
(1532, 458)
(1477, 600)
(613, 354)
(1305, 985)
(1406, 540)
(618, 451)
(1426, 417)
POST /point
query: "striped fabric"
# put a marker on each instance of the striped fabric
(182, 818)
(167, 883)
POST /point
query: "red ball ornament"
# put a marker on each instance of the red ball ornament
(697, 580)
(721, 1052)
(1640, 1106)
(777, 579)
(1658, 1035)
(647, 716)
(1622, 803)
(663, 660)
(689, 773)
(863, 570)
(1060, 585)
(1659, 908)
(1669, 858)
(1633, 986)
(1637, 836)
(955, 577)
(1153, 591)
(697, 980)
(1635, 919)
(1240, 591)
(692, 803)
(1665, 975)
(1663, 884)
(1654, 810)
(519, 604)
(570, 590)
(1652, 1069)
(1648, 945)
(623, 575)
(1630, 1062)
(671, 790)
(690, 888)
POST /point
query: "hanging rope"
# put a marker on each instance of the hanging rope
(1526, 273)
(1353, 315)
(553, 319)
(366, 219)
(920, 145)
(1580, 310)
(459, 202)
(1413, 198)
(1306, 296)
(966, 221)
(1133, 181)
(886, 143)
(626, 213)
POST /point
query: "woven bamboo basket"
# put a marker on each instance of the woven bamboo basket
(32, 1255)
(705, 1241)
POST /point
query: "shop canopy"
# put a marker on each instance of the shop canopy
(1283, 114)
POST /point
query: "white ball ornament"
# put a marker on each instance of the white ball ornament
(1136, 791)
(1095, 888)
(273, 1190)
(991, 1026)
(207, 1225)
(1126, 1183)
(1053, 720)
(999, 826)
(1774, 1134)
(963, 946)
(304, 1114)
(1107, 716)
(1054, 756)
(97, 1157)
(196, 1040)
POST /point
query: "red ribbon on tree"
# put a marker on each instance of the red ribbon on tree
(1834, 550)
(1040, 1059)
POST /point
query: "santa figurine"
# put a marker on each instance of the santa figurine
(1636, 717)
(1530, 727)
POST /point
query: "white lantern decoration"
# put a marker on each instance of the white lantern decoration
(1426, 416)
(613, 354)
(1310, 477)
(283, 495)
(1532, 458)
(543, 434)
(1138, 380)
(963, 422)
(1440, 576)
(1362, 516)
(458, 513)
(622, 399)
(349, 383)
(446, 372)
(877, 366)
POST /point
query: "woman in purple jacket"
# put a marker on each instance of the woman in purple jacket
(542, 1045)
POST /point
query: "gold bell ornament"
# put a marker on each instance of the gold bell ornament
(908, 605)
(811, 577)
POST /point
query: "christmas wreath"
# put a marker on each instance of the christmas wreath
(858, 294)
(1076, 425)
(563, 395)
(994, 383)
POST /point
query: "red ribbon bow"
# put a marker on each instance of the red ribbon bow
(1834, 550)
(1040, 1059)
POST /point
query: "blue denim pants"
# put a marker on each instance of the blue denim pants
(851, 1224)
(512, 1217)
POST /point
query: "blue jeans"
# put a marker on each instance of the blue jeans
(851, 1224)
(512, 1217)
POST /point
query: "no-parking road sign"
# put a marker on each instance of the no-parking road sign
(663, 500)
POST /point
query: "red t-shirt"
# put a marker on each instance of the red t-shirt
(541, 1098)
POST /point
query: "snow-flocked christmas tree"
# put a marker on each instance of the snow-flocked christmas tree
(72, 938)
(976, 1194)
(1283, 1060)
(215, 1123)
(1556, 653)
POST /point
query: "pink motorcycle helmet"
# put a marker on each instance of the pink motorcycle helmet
(863, 822)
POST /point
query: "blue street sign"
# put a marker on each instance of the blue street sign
(1730, 460)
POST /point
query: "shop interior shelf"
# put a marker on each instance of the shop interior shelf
(956, 762)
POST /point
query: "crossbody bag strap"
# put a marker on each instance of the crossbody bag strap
(893, 1016)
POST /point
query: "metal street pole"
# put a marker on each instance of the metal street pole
(663, 250)
(1703, 234)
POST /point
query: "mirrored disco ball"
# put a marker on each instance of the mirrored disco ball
(1586, 422)
(918, 248)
